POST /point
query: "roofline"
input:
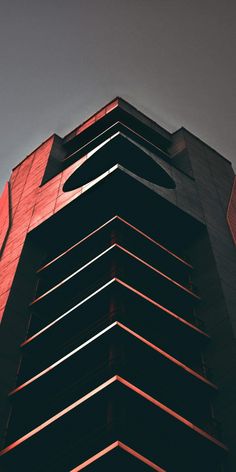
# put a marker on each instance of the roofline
(128, 107)
(185, 130)
(166, 135)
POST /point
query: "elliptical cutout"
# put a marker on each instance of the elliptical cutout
(119, 149)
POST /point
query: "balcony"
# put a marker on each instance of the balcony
(119, 149)
(115, 410)
(116, 350)
(87, 146)
(117, 230)
(114, 301)
(117, 262)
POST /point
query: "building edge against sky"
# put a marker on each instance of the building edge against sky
(156, 235)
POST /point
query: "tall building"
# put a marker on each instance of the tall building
(117, 300)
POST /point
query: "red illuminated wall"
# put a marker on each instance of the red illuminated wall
(30, 205)
(97, 116)
(4, 215)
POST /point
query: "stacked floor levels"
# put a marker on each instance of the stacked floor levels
(118, 310)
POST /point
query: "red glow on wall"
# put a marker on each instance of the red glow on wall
(93, 119)
(4, 215)
(24, 184)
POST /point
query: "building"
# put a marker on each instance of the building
(117, 302)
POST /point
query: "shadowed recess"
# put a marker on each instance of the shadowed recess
(119, 149)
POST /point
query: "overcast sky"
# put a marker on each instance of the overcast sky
(61, 60)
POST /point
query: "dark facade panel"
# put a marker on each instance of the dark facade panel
(232, 212)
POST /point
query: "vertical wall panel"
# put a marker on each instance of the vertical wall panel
(4, 215)
(231, 213)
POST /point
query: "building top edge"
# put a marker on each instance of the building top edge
(129, 108)
(187, 131)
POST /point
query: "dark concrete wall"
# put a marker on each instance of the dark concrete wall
(214, 258)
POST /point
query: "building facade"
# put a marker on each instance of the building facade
(117, 302)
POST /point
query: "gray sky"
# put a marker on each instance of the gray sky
(61, 60)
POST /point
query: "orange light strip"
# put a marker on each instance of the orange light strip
(93, 119)
(88, 143)
(166, 355)
(111, 447)
(114, 125)
(103, 226)
(171, 412)
(182, 287)
(67, 312)
(115, 378)
(96, 336)
(73, 274)
(158, 272)
(58, 415)
(155, 242)
(63, 359)
(132, 289)
(76, 244)
(162, 308)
